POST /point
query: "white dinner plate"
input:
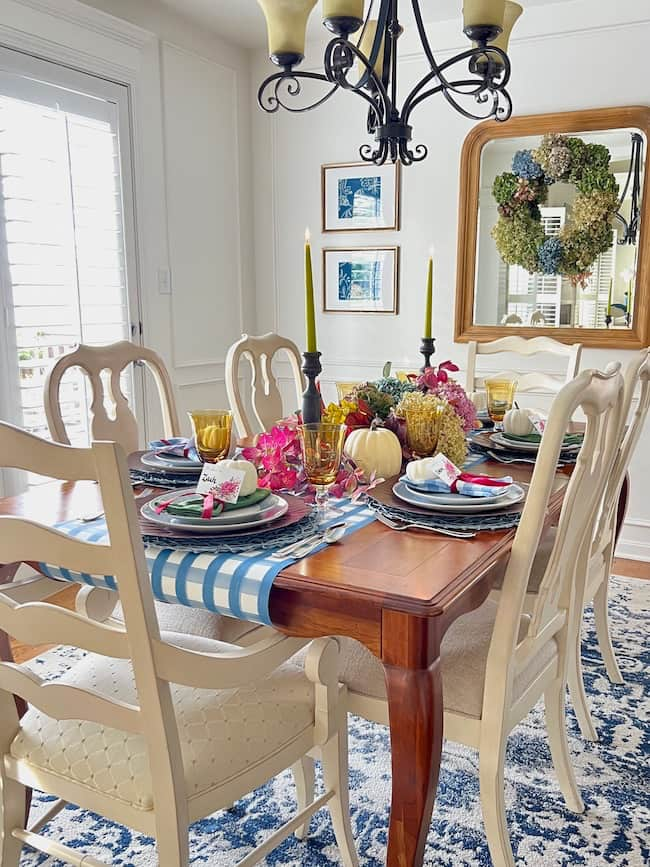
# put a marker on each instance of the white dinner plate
(239, 519)
(171, 463)
(514, 495)
(454, 499)
(504, 443)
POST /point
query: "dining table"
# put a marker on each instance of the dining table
(395, 592)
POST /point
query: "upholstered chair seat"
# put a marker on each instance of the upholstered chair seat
(222, 732)
(463, 657)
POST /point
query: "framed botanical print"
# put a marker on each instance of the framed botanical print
(363, 280)
(360, 197)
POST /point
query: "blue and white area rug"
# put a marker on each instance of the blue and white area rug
(614, 776)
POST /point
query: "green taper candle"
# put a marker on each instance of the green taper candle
(428, 316)
(310, 313)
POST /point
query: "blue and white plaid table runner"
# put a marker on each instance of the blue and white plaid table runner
(235, 584)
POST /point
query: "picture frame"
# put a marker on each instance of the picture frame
(361, 280)
(360, 197)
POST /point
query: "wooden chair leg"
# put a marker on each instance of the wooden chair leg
(554, 702)
(601, 618)
(492, 756)
(172, 843)
(578, 694)
(335, 776)
(13, 816)
(304, 777)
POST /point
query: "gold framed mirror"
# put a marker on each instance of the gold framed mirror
(548, 242)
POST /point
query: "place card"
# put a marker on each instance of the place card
(444, 469)
(220, 480)
(537, 421)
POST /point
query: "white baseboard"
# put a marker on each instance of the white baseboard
(634, 543)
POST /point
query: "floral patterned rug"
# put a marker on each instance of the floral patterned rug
(614, 776)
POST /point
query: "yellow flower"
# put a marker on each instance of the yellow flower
(336, 413)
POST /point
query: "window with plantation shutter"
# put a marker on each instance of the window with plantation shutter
(63, 256)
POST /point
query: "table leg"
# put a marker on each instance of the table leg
(416, 723)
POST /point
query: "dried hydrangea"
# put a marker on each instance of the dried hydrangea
(395, 387)
(504, 188)
(524, 165)
(518, 240)
(550, 256)
(589, 209)
(451, 440)
(554, 156)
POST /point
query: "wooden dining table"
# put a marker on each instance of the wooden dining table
(395, 592)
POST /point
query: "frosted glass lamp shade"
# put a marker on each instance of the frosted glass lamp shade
(513, 12)
(342, 8)
(286, 22)
(365, 46)
(483, 13)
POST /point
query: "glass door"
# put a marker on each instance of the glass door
(67, 251)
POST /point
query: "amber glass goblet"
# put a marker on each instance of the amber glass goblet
(212, 431)
(423, 430)
(500, 397)
(322, 450)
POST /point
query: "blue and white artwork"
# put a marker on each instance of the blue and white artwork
(360, 198)
(360, 281)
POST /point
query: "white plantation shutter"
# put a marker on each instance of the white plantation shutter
(63, 273)
(592, 300)
(528, 292)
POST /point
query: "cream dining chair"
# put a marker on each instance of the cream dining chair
(265, 400)
(498, 661)
(114, 358)
(516, 345)
(599, 566)
(150, 730)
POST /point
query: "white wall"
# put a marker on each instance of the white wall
(191, 118)
(582, 54)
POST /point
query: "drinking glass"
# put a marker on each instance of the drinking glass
(343, 389)
(423, 430)
(212, 430)
(500, 397)
(322, 450)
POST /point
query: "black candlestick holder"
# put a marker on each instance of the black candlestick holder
(427, 349)
(608, 319)
(311, 400)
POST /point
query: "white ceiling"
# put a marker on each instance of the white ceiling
(242, 21)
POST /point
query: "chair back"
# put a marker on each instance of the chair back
(559, 600)
(114, 357)
(265, 399)
(23, 539)
(521, 346)
(637, 375)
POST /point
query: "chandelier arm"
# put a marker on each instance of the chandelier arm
(416, 96)
(424, 39)
(272, 101)
(337, 72)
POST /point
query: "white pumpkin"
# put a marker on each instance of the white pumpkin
(249, 485)
(375, 450)
(517, 422)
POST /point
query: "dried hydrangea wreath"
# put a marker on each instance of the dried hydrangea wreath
(519, 233)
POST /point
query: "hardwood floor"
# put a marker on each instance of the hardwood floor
(631, 568)
(23, 652)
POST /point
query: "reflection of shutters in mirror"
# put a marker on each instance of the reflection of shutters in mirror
(592, 301)
(530, 293)
(62, 243)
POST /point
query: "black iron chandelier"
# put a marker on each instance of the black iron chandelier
(633, 185)
(367, 65)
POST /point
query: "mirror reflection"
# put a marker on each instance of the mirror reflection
(558, 229)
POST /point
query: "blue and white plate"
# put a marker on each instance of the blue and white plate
(454, 499)
(512, 445)
(172, 463)
(468, 505)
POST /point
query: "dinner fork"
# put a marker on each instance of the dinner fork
(503, 460)
(403, 524)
